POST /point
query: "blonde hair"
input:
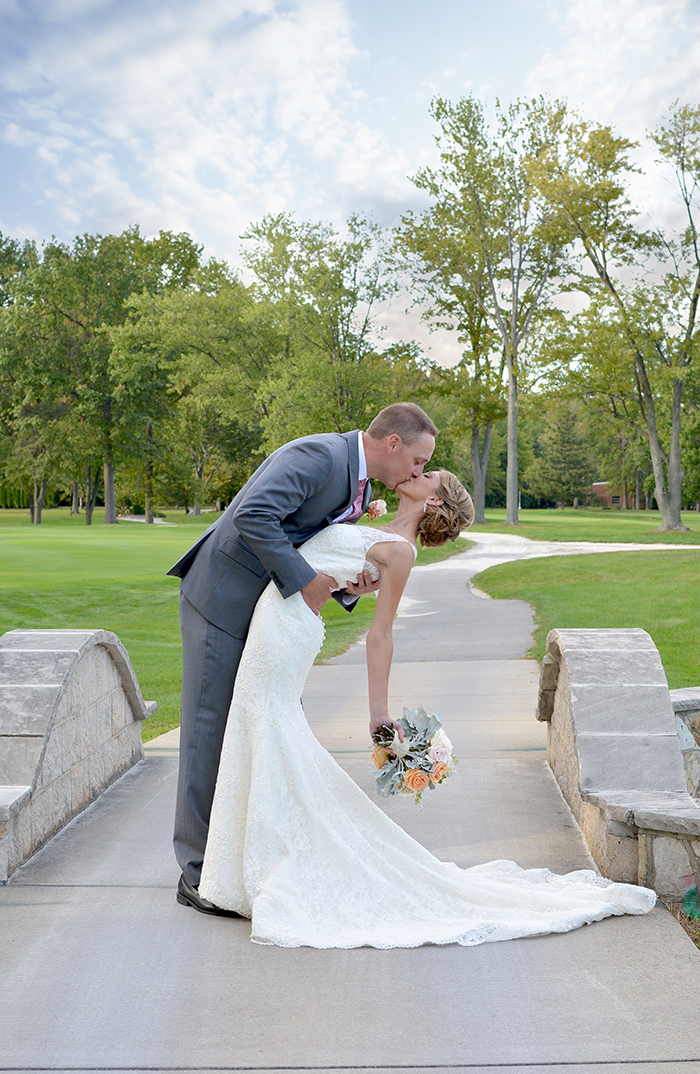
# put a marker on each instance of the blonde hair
(455, 513)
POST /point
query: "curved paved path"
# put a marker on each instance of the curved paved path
(103, 970)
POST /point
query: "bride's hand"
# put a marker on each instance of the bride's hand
(383, 721)
(318, 591)
(363, 585)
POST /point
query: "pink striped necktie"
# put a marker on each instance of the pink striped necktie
(357, 506)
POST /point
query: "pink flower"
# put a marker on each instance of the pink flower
(376, 509)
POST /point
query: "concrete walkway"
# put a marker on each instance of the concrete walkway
(103, 970)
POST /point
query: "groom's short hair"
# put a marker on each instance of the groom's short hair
(405, 419)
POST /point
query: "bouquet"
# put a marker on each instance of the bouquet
(419, 763)
(376, 509)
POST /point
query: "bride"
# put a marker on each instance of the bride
(296, 846)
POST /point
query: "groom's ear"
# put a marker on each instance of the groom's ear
(393, 442)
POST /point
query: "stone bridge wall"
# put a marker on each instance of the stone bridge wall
(70, 724)
(613, 746)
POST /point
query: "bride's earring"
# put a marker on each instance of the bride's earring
(425, 507)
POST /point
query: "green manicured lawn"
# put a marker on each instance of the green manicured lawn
(591, 524)
(66, 575)
(658, 591)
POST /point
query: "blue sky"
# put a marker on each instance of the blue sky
(201, 115)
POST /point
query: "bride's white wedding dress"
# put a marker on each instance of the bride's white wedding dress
(295, 845)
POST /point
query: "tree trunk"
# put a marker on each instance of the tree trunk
(148, 483)
(110, 506)
(512, 467)
(480, 462)
(91, 488)
(667, 495)
(219, 506)
(637, 498)
(197, 509)
(38, 498)
(75, 499)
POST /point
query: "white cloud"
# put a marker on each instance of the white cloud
(201, 116)
(624, 62)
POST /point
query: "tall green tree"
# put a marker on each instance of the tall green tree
(584, 173)
(322, 289)
(491, 241)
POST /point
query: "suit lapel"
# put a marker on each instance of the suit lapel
(353, 473)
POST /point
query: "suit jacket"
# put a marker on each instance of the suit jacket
(301, 488)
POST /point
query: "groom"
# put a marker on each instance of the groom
(301, 488)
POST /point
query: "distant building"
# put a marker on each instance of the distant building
(601, 491)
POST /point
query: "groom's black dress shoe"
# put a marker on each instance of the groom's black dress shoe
(189, 896)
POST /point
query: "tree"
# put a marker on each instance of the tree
(583, 174)
(67, 301)
(189, 364)
(563, 471)
(321, 289)
(491, 242)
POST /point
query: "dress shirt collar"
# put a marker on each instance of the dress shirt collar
(362, 471)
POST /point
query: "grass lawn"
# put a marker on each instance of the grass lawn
(659, 592)
(591, 524)
(66, 575)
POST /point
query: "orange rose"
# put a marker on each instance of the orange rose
(416, 780)
(379, 756)
(438, 772)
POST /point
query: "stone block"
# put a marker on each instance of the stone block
(102, 716)
(26, 667)
(88, 732)
(19, 758)
(599, 640)
(52, 762)
(622, 859)
(630, 762)
(96, 769)
(62, 800)
(670, 868)
(111, 679)
(616, 708)
(71, 742)
(26, 710)
(20, 839)
(64, 710)
(80, 785)
(615, 668)
(45, 639)
(41, 814)
(550, 673)
(122, 715)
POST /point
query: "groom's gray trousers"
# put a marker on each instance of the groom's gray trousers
(298, 490)
(210, 659)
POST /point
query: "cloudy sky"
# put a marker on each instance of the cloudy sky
(201, 115)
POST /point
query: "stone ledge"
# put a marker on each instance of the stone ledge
(616, 752)
(70, 717)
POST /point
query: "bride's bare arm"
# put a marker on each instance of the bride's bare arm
(395, 560)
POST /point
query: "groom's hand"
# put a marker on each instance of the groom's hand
(318, 591)
(364, 585)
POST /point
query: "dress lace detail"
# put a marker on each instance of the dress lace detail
(295, 845)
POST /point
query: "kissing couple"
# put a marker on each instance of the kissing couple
(268, 826)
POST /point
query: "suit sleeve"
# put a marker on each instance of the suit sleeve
(293, 477)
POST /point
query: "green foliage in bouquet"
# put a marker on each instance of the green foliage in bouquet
(419, 763)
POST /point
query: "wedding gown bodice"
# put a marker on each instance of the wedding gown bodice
(341, 551)
(295, 845)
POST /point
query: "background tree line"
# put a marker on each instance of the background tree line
(127, 356)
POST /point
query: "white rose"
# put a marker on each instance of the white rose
(398, 747)
(441, 739)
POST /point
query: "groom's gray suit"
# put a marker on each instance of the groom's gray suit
(301, 488)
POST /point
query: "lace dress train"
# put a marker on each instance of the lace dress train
(295, 845)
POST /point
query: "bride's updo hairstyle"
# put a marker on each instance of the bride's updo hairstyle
(455, 513)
